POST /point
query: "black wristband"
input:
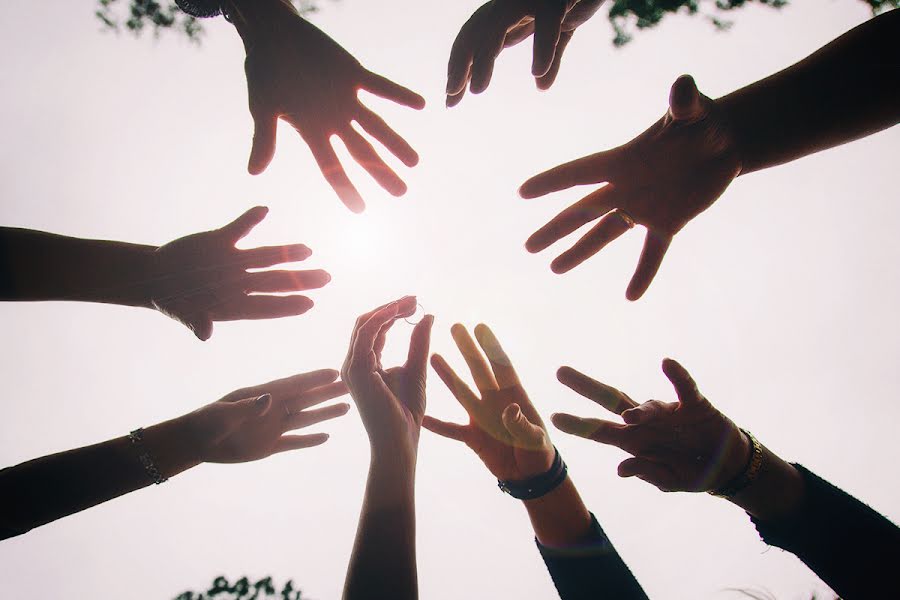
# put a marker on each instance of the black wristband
(539, 485)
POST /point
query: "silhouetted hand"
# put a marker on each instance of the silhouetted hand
(677, 446)
(500, 24)
(661, 179)
(203, 278)
(297, 73)
(504, 430)
(391, 402)
(252, 423)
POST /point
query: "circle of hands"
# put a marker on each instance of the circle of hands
(661, 179)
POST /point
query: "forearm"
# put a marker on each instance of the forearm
(383, 563)
(777, 491)
(846, 90)
(49, 488)
(35, 265)
(559, 519)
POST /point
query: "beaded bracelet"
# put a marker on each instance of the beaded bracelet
(136, 438)
(201, 9)
(539, 485)
(748, 475)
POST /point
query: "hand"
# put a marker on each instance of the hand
(661, 179)
(297, 73)
(504, 430)
(391, 402)
(203, 278)
(677, 446)
(500, 24)
(251, 423)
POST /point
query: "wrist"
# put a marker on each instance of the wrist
(254, 19)
(174, 445)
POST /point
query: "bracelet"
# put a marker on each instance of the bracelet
(201, 9)
(538, 485)
(136, 438)
(748, 475)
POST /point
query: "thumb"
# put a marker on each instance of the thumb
(264, 127)
(250, 408)
(684, 99)
(201, 327)
(521, 429)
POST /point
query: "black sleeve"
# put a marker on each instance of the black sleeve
(591, 570)
(848, 545)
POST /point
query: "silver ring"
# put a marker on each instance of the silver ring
(418, 306)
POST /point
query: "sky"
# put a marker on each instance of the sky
(780, 299)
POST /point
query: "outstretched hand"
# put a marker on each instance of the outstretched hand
(203, 278)
(500, 24)
(661, 179)
(504, 429)
(297, 73)
(677, 446)
(252, 423)
(391, 402)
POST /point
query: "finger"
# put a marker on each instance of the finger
(287, 443)
(459, 65)
(286, 386)
(364, 154)
(317, 395)
(419, 344)
(547, 25)
(518, 34)
(589, 169)
(201, 327)
(504, 373)
(455, 99)
(267, 256)
(387, 89)
(594, 205)
(527, 434)
(546, 80)
(284, 281)
(265, 126)
(598, 430)
(381, 131)
(606, 396)
(653, 473)
(655, 246)
(605, 231)
(684, 384)
(453, 431)
(457, 386)
(406, 307)
(245, 223)
(261, 307)
(403, 305)
(478, 366)
(491, 44)
(364, 358)
(647, 411)
(335, 175)
(248, 408)
(312, 416)
(684, 100)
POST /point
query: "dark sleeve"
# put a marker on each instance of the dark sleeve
(848, 545)
(591, 570)
(6, 278)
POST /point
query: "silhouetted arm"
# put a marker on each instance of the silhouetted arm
(680, 165)
(506, 432)
(848, 89)
(391, 404)
(297, 73)
(689, 445)
(196, 280)
(248, 424)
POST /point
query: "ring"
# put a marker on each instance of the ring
(629, 220)
(418, 306)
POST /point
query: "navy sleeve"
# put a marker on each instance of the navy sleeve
(592, 570)
(848, 545)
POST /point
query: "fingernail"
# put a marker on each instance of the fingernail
(263, 400)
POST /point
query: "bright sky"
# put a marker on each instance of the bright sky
(781, 299)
